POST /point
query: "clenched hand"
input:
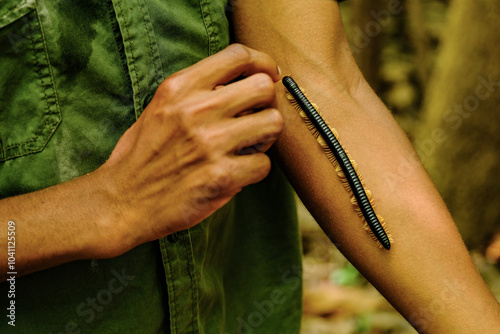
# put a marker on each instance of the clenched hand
(200, 141)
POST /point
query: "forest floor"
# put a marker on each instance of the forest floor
(337, 299)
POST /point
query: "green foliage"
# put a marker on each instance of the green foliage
(346, 276)
(364, 324)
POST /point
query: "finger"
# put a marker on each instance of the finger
(234, 61)
(257, 148)
(255, 92)
(249, 169)
(259, 129)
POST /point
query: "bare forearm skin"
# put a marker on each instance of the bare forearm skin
(428, 274)
(63, 223)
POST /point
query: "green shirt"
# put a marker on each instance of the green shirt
(74, 75)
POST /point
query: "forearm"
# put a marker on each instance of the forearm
(63, 223)
(427, 275)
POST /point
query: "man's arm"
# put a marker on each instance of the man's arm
(174, 167)
(428, 274)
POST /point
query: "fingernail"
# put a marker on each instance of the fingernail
(279, 71)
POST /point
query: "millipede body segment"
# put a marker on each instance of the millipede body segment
(348, 168)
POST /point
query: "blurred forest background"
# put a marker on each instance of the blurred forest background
(436, 65)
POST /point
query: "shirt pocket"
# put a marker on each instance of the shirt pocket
(29, 112)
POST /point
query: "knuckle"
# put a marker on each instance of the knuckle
(220, 173)
(264, 82)
(276, 121)
(240, 52)
(171, 87)
(264, 85)
(264, 167)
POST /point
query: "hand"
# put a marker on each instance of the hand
(186, 156)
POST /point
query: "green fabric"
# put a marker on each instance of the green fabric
(74, 75)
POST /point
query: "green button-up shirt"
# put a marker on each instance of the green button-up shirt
(74, 75)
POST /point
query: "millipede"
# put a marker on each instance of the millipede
(345, 167)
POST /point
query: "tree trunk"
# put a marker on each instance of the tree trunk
(419, 38)
(368, 22)
(459, 139)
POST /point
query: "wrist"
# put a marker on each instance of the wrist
(112, 231)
